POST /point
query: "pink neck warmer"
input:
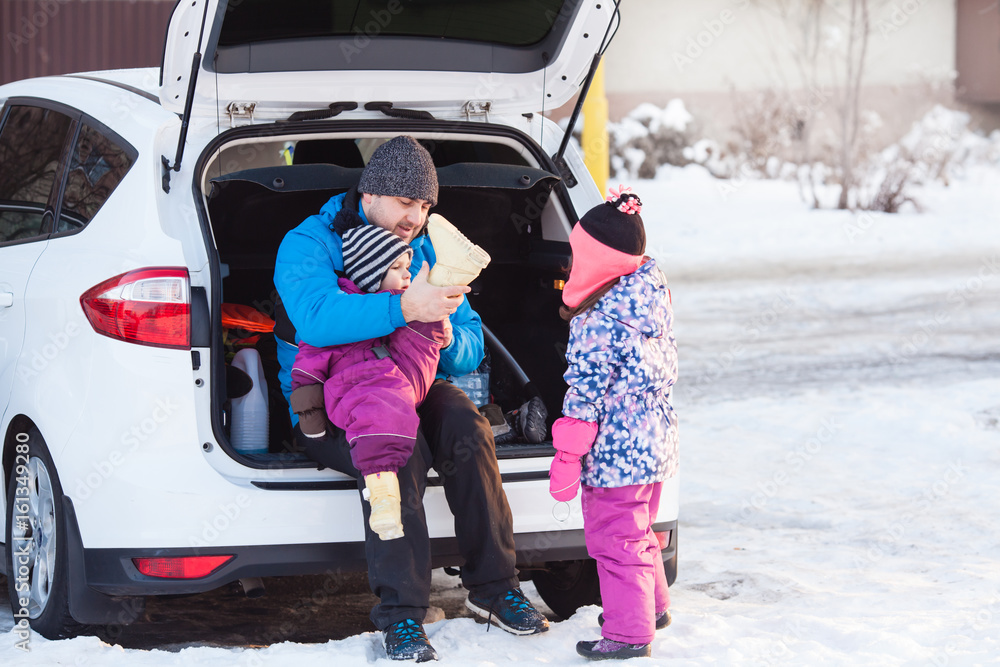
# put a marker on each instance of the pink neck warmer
(594, 264)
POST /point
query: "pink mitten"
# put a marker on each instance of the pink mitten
(572, 439)
(564, 476)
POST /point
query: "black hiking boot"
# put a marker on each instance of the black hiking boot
(509, 611)
(531, 420)
(406, 640)
(527, 424)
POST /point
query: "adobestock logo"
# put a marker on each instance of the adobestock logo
(704, 39)
(37, 361)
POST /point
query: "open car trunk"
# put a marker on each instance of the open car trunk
(487, 190)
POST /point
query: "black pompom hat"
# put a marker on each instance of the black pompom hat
(616, 223)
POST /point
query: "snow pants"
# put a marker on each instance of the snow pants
(457, 442)
(618, 526)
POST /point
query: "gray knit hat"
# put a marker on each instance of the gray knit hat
(401, 167)
(369, 251)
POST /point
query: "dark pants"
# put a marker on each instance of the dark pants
(457, 442)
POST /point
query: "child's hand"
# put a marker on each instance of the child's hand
(447, 332)
(572, 439)
(564, 476)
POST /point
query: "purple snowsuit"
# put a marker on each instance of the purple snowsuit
(372, 388)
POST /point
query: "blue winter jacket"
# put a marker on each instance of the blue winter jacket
(622, 364)
(323, 314)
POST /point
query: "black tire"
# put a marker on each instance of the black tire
(35, 517)
(568, 585)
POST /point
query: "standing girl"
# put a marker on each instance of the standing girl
(618, 433)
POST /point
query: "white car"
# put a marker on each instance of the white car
(135, 203)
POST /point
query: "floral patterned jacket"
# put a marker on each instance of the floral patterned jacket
(622, 364)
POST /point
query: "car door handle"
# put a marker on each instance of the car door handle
(6, 299)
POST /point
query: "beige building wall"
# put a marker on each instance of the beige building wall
(708, 52)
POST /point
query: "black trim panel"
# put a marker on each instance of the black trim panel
(346, 484)
(311, 177)
(543, 450)
(332, 485)
(201, 318)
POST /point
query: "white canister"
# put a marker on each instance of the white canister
(249, 434)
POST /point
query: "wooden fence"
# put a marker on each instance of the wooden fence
(42, 37)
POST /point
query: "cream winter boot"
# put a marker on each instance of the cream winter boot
(382, 491)
(459, 260)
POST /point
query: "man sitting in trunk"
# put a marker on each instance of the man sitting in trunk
(397, 189)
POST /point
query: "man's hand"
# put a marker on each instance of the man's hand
(423, 302)
(448, 335)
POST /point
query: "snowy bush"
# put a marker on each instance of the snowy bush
(772, 141)
(719, 161)
(649, 137)
(766, 128)
(938, 147)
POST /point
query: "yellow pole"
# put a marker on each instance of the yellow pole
(595, 131)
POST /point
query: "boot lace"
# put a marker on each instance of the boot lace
(408, 631)
(515, 598)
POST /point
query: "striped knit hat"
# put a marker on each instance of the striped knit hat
(369, 251)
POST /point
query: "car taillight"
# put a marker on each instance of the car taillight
(184, 567)
(145, 306)
(663, 538)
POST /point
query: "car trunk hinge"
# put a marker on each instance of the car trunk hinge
(240, 110)
(477, 108)
(188, 103)
(558, 158)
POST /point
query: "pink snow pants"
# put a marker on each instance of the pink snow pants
(618, 525)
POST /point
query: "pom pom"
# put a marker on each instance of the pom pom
(625, 200)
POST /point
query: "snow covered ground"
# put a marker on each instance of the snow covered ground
(840, 426)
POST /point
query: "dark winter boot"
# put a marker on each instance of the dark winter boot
(531, 420)
(406, 640)
(609, 649)
(527, 424)
(510, 611)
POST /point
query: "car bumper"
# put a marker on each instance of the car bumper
(114, 572)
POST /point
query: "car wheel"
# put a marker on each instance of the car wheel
(37, 565)
(568, 585)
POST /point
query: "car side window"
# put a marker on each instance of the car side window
(31, 143)
(97, 165)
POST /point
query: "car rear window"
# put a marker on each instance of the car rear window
(32, 141)
(506, 22)
(97, 165)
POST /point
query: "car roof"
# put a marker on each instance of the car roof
(141, 81)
